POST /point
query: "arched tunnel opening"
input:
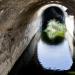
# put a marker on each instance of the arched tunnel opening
(29, 59)
(49, 49)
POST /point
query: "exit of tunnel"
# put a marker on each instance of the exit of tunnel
(49, 49)
(49, 13)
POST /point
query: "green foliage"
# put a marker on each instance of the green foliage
(54, 32)
(54, 29)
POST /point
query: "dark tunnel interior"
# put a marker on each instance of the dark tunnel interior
(52, 13)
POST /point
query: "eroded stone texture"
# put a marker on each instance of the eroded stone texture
(16, 29)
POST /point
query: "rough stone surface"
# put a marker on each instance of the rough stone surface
(16, 29)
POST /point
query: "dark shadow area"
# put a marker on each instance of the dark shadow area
(52, 13)
(54, 41)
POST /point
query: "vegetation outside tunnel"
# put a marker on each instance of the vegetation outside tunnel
(54, 32)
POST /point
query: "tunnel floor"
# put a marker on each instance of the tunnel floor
(33, 67)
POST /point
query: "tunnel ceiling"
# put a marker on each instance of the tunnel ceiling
(69, 4)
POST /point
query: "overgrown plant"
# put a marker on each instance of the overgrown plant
(54, 32)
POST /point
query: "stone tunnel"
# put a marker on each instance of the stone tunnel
(20, 23)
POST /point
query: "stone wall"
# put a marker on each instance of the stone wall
(17, 29)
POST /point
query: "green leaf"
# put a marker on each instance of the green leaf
(54, 29)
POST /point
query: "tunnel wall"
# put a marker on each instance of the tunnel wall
(17, 29)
